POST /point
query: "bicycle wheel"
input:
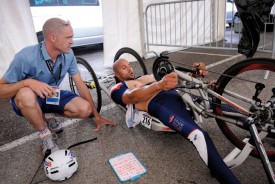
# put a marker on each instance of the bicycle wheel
(134, 58)
(89, 78)
(241, 79)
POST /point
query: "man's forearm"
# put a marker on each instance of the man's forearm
(141, 94)
(9, 90)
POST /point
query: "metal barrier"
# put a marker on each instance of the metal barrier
(196, 23)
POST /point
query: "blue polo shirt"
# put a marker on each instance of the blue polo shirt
(30, 62)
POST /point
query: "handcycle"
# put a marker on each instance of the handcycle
(242, 103)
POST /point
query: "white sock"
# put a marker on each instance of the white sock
(44, 133)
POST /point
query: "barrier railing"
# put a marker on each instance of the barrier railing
(198, 23)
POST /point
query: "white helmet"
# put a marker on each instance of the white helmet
(60, 165)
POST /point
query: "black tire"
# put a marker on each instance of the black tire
(252, 70)
(89, 78)
(134, 58)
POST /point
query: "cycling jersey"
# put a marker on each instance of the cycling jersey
(117, 92)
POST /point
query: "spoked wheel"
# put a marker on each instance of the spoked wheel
(89, 78)
(241, 79)
(134, 58)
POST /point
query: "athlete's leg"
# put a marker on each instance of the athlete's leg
(185, 125)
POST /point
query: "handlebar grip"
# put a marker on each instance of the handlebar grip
(270, 102)
(185, 69)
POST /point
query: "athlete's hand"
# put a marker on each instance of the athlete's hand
(200, 66)
(42, 89)
(169, 81)
(102, 121)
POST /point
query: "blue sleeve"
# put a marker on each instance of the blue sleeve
(17, 70)
(117, 92)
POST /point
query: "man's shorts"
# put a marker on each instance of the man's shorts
(65, 97)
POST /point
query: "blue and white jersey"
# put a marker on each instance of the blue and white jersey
(117, 92)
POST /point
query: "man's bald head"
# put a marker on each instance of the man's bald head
(117, 63)
(54, 25)
(123, 70)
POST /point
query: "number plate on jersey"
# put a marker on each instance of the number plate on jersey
(146, 121)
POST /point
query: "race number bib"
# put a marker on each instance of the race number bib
(146, 120)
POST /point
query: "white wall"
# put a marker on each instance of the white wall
(121, 27)
(16, 30)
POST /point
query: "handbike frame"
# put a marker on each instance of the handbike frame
(237, 156)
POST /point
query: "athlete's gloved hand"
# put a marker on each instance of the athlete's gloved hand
(201, 68)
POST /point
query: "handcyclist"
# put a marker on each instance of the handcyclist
(161, 100)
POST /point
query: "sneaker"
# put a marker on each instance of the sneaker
(49, 145)
(54, 125)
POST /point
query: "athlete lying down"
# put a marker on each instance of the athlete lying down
(161, 100)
